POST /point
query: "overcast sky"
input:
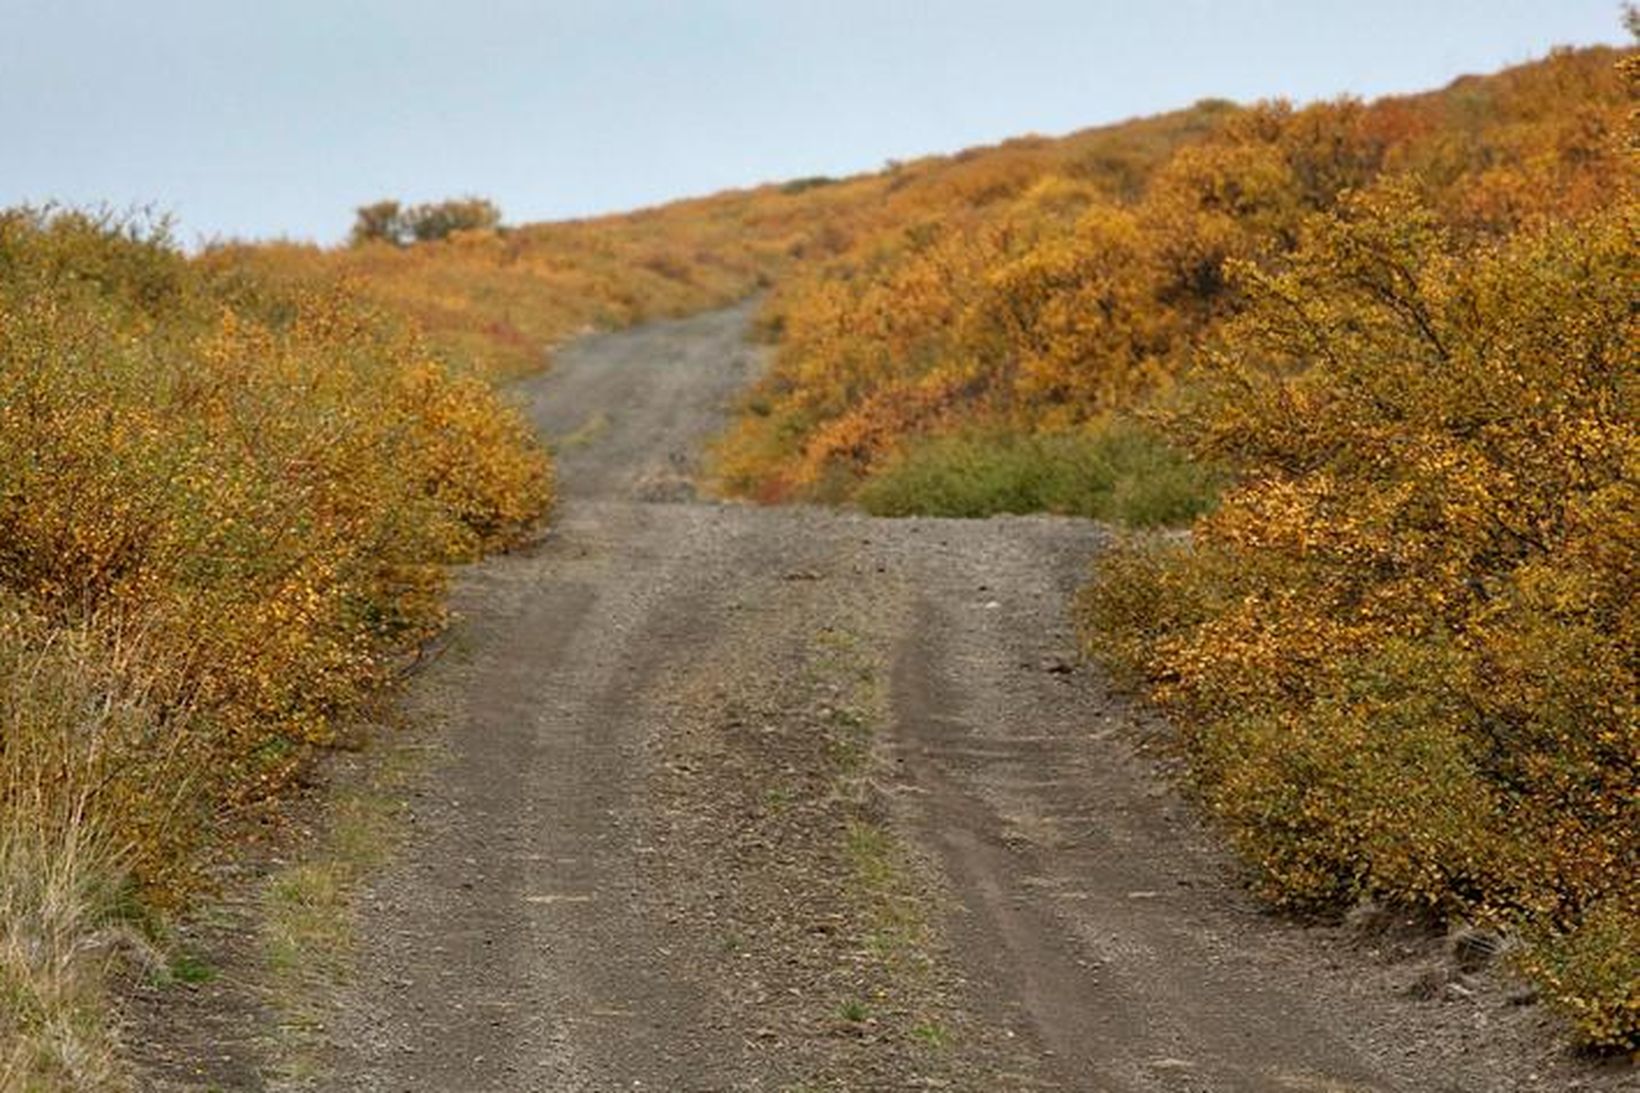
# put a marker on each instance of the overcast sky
(277, 117)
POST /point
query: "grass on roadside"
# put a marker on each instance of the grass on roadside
(306, 915)
(83, 734)
(1115, 471)
(896, 929)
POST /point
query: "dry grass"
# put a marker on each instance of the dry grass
(87, 753)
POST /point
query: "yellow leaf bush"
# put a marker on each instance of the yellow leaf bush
(223, 507)
(274, 495)
(1402, 650)
(1036, 289)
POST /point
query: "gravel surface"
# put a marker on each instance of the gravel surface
(741, 798)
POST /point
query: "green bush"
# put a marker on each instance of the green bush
(390, 222)
(1114, 471)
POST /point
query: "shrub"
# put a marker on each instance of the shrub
(380, 222)
(441, 219)
(803, 185)
(1401, 651)
(1115, 471)
(1041, 285)
(390, 222)
(223, 506)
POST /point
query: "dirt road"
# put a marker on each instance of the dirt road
(792, 799)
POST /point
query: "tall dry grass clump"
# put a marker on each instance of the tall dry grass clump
(94, 771)
(223, 506)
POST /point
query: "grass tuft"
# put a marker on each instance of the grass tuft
(69, 720)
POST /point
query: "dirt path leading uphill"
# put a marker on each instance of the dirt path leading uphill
(791, 799)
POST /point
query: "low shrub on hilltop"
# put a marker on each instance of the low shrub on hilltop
(391, 222)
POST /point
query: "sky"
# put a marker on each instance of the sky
(264, 118)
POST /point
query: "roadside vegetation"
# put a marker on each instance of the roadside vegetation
(1113, 471)
(1401, 651)
(1380, 356)
(1040, 289)
(224, 508)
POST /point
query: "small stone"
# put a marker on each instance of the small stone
(1525, 996)
(1171, 1063)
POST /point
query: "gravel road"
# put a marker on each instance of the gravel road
(743, 798)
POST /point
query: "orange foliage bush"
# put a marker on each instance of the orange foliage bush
(271, 499)
(1402, 649)
(1041, 285)
(224, 505)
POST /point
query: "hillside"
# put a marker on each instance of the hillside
(1041, 286)
(1381, 355)
(500, 297)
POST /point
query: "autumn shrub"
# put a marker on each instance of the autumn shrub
(1042, 285)
(379, 222)
(1114, 471)
(223, 508)
(1401, 651)
(442, 219)
(1043, 312)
